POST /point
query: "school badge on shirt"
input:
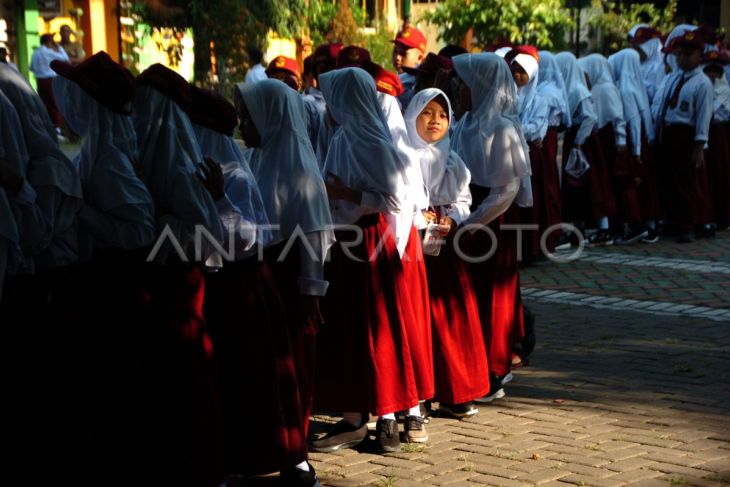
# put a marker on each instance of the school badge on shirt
(684, 106)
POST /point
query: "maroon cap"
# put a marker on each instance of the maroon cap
(431, 65)
(692, 38)
(211, 110)
(525, 49)
(716, 57)
(283, 63)
(411, 38)
(169, 83)
(385, 81)
(353, 56)
(106, 81)
(327, 54)
(499, 44)
(644, 34)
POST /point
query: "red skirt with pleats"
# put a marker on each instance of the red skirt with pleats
(258, 377)
(364, 361)
(718, 169)
(496, 285)
(412, 288)
(648, 191)
(461, 368)
(623, 174)
(592, 197)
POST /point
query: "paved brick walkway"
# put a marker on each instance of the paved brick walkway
(614, 395)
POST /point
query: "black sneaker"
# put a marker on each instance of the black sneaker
(387, 436)
(415, 429)
(563, 242)
(295, 477)
(496, 390)
(342, 435)
(652, 237)
(600, 238)
(458, 411)
(633, 234)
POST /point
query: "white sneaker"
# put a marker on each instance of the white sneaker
(498, 394)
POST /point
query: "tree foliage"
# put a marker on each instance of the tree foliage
(539, 22)
(615, 19)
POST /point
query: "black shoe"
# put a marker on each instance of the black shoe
(342, 435)
(600, 238)
(415, 429)
(458, 411)
(564, 242)
(633, 234)
(295, 477)
(387, 436)
(706, 231)
(496, 390)
(652, 237)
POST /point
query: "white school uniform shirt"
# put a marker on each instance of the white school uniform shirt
(489, 137)
(256, 73)
(40, 61)
(605, 94)
(637, 110)
(288, 176)
(551, 88)
(582, 109)
(445, 175)
(244, 220)
(362, 153)
(721, 101)
(52, 175)
(118, 211)
(694, 106)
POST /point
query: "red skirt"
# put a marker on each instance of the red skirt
(496, 285)
(303, 337)
(412, 288)
(364, 359)
(545, 210)
(718, 169)
(623, 172)
(648, 191)
(258, 379)
(461, 367)
(592, 197)
(686, 190)
(181, 376)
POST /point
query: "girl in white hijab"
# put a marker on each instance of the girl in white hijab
(637, 113)
(652, 58)
(460, 359)
(718, 154)
(51, 174)
(489, 139)
(365, 355)
(551, 88)
(590, 196)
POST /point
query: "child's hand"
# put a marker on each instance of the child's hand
(430, 216)
(337, 190)
(538, 143)
(698, 158)
(446, 224)
(213, 180)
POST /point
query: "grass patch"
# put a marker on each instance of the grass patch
(671, 341)
(593, 447)
(557, 466)
(674, 480)
(413, 447)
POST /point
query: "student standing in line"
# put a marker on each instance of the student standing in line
(648, 44)
(489, 139)
(460, 359)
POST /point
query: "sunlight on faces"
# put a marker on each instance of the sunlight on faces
(405, 58)
(433, 122)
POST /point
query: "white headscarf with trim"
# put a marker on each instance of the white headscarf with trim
(626, 68)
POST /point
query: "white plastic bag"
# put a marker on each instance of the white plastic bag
(577, 164)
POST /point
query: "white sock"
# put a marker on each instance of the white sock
(354, 419)
(415, 411)
(603, 223)
(388, 416)
(304, 466)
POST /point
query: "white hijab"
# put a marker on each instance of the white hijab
(606, 97)
(721, 87)
(246, 197)
(626, 68)
(676, 32)
(494, 102)
(48, 165)
(575, 83)
(171, 160)
(444, 172)
(527, 94)
(652, 68)
(552, 86)
(285, 166)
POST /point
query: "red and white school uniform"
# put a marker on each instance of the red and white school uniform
(459, 357)
(718, 153)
